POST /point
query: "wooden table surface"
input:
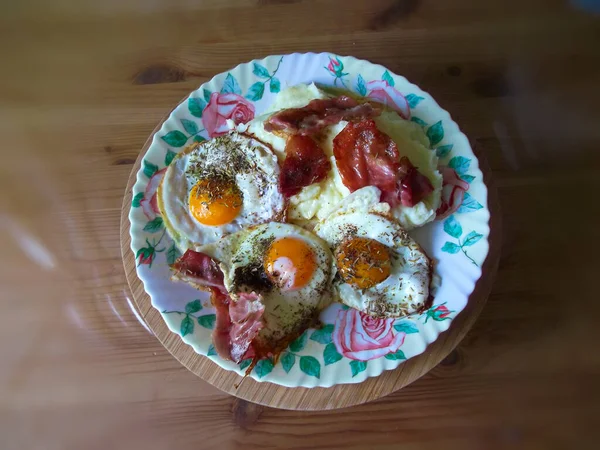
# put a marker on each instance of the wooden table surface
(82, 85)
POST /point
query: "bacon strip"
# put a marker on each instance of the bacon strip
(199, 269)
(412, 187)
(246, 321)
(305, 163)
(318, 114)
(238, 322)
(366, 156)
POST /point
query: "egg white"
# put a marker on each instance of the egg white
(287, 313)
(406, 289)
(258, 183)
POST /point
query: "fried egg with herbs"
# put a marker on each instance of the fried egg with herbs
(289, 268)
(217, 187)
(381, 270)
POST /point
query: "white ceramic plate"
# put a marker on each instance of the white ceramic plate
(349, 348)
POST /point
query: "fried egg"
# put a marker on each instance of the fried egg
(318, 200)
(217, 187)
(381, 270)
(290, 269)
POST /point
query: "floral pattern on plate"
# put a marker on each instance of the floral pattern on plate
(350, 346)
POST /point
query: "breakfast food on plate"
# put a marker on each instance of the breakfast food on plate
(382, 271)
(269, 284)
(217, 187)
(351, 170)
(365, 144)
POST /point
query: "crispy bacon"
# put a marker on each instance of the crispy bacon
(198, 269)
(366, 156)
(246, 321)
(305, 163)
(220, 334)
(238, 322)
(318, 114)
(413, 186)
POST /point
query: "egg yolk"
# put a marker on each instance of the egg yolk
(290, 263)
(215, 202)
(363, 262)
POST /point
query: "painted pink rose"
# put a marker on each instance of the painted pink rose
(146, 257)
(148, 203)
(453, 192)
(361, 337)
(334, 65)
(222, 107)
(439, 313)
(381, 91)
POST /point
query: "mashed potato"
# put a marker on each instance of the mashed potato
(316, 201)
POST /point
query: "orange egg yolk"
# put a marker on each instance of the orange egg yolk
(215, 202)
(290, 263)
(363, 262)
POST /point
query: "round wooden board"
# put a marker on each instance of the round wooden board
(339, 396)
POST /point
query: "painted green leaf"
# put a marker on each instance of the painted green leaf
(418, 121)
(231, 86)
(256, 91)
(450, 247)
(154, 225)
(263, 367)
(206, 94)
(322, 336)
(452, 227)
(137, 199)
(361, 86)
(190, 126)
(413, 100)
(468, 178)
(299, 343)
(406, 326)
(274, 85)
(471, 239)
(150, 169)
(330, 354)
(169, 157)
(260, 71)
(245, 363)
(357, 367)
(443, 150)
(287, 361)
(187, 326)
(172, 254)
(310, 366)
(207, 321)
(435, 133)
(387, 77)
(395, 356)
(199, 138)
(196, 106)
(460, 164)
(211, 350)
(469, 204)
(175, 138)
(193, 307)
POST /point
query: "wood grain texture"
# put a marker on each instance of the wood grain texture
(339, 396)
(84, 83)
